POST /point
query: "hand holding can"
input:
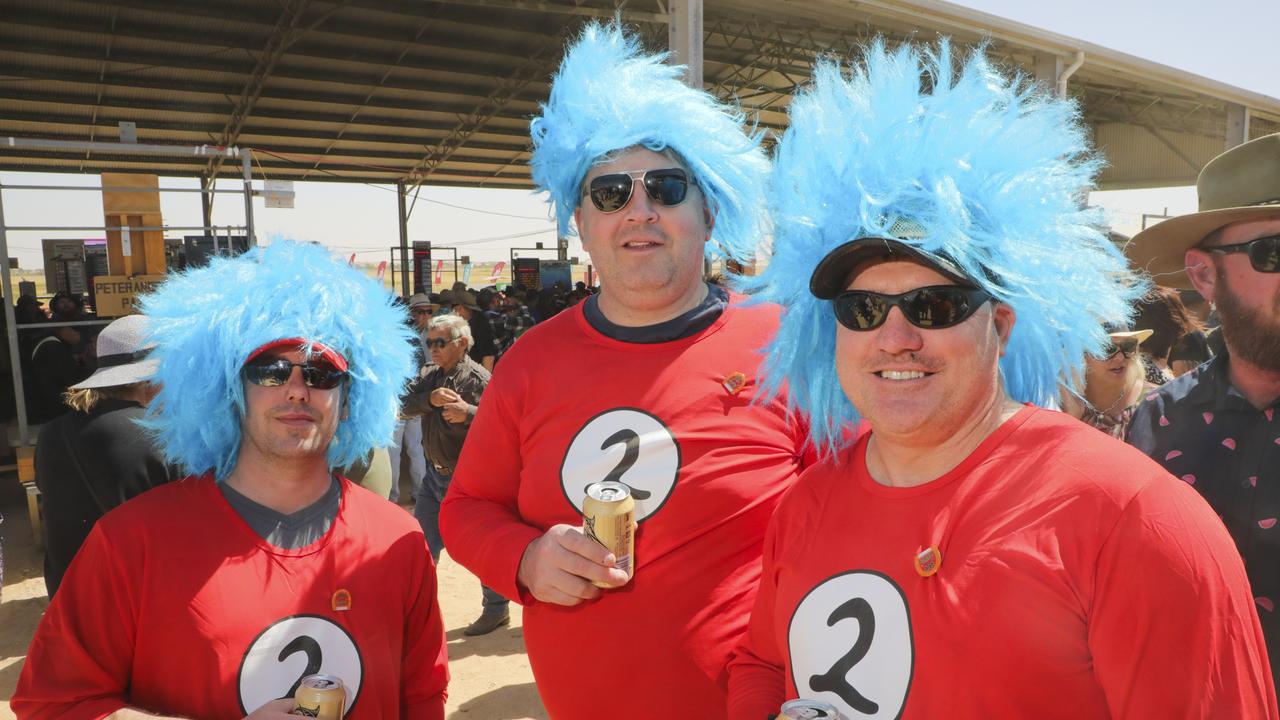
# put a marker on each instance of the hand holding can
(609, 518)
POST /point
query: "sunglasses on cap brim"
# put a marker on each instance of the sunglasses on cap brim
(933, 307)
(1264, 252)
(269, 371)
(611, 193)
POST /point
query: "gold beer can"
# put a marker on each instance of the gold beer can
(609, 518)
(809, 709)
(320, 696)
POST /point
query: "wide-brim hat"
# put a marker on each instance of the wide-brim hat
(466, 299)
(420, 300)
(1139, 335)
(123, 355)
(1242, 183)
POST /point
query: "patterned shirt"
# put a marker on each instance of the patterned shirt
(1201, 429)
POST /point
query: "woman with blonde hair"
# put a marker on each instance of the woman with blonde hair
(92, 459)
(1114, 383)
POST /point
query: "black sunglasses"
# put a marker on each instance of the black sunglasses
(438, 342)
(275, 372)
(1128, 347)
(936, 306)
(610, 193)
(1264, 252)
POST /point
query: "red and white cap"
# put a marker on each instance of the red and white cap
(317, 348)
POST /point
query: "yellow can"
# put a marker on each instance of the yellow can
(609, 518)
(320, 696)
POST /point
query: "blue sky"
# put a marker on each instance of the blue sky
(1228, 40)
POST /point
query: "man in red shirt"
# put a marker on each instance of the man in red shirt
(213, 596)
(651, 383)
(973, 555)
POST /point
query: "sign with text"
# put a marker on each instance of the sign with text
(526, 273)
(117, 295)
(421, 266)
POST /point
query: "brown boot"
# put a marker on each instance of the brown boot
(488, 621)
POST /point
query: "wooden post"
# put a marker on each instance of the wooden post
(133, 252)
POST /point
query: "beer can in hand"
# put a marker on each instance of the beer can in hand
(809, 710)
(320, 696)
(609, 518)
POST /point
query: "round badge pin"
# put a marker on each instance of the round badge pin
(928, 561)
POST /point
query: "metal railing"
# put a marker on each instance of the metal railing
(201, 151)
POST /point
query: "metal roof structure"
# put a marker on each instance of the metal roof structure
(441, 91)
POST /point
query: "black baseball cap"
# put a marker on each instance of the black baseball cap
(832, 273)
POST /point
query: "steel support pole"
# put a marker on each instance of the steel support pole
(246, 165)
(403, 224)
(684, 38)
(1237, 125)
(206, 203)
(11, 329)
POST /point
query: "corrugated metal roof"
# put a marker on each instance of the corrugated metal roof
(383, 89)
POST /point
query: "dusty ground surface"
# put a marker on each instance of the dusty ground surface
(491, 679)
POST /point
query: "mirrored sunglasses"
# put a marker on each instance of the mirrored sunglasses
(1264, 252)
(933, 307)
(610, 193)
(274, 372)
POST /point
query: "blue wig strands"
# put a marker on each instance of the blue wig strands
(206, 322)
(609, 96)
(993, 169)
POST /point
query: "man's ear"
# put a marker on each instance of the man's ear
(346, 395)
(1201, 272)
(1004, 317)
(709, 219)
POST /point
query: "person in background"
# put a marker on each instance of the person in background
(93, 459)
(483, 350)
(1218, 426)
(407, 441)
(972, 555)
(1114, 383)
(1178, 342)
(54, 368)
(447, 398)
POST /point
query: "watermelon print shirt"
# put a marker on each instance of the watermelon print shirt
(1201, 429)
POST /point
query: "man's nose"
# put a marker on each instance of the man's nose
(897, 334)
(297, 387)
(641, 207)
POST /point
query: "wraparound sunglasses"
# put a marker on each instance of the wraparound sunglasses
(1264, 252)
(932, 307)
(275, 372)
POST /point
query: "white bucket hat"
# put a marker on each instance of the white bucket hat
(122, 355)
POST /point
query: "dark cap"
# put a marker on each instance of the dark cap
(832, 273)
(466, 299)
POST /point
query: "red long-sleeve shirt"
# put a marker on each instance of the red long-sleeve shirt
(1077, 580)
(569, 406)
(174, 605)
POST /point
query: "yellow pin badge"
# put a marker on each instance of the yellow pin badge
(928, 561)
(734, 383)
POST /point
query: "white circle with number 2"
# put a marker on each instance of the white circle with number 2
(850, 644)
(626, 445)
(293, 648)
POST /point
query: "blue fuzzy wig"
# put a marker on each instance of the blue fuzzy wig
(608, 96)
(994, 170)
(205, 323)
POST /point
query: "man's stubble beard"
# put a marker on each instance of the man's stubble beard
(1251, 335)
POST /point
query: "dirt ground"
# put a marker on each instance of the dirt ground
(491, 679)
